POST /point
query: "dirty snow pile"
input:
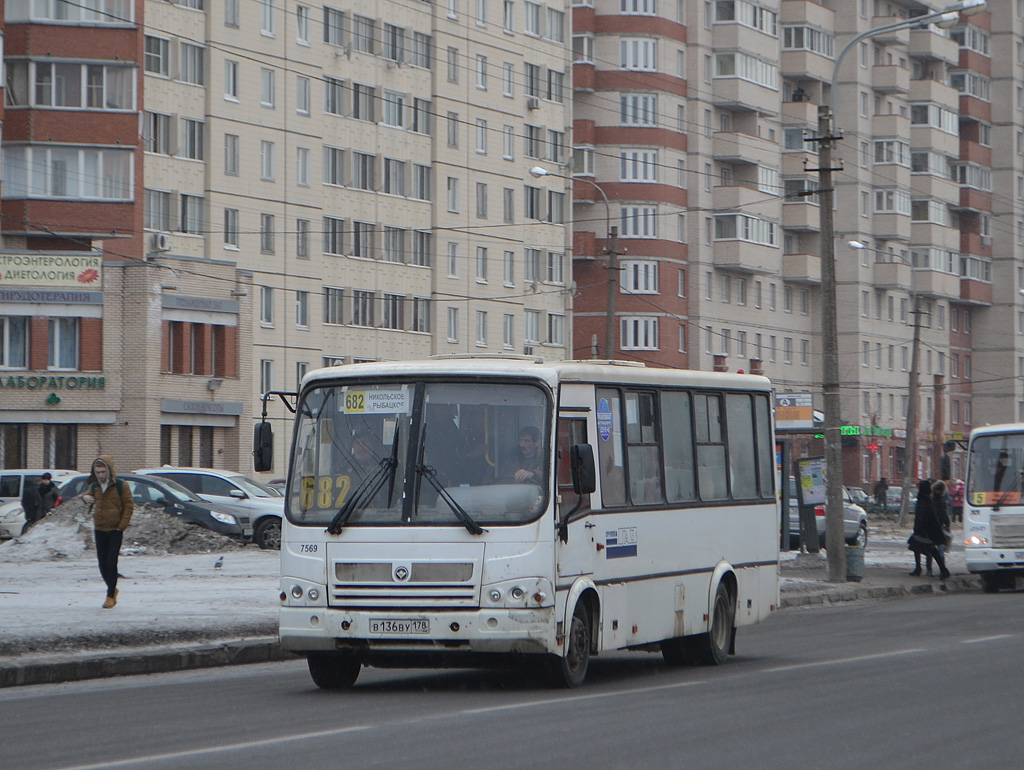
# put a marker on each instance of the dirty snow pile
(67, 533)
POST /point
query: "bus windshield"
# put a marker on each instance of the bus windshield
(996, 464)
(420, 454)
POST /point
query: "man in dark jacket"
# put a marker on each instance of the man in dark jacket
(38, 499)
(113, 510)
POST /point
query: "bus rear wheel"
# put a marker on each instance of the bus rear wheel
(571, 670)
(712, 648)
(333, 671)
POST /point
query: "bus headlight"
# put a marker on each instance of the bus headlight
(296, 592)
(313, 594)
(495, 595)
(975, 540)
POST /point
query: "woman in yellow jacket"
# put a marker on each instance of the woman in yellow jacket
(111, 515)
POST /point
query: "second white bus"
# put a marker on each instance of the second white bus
(464, 511)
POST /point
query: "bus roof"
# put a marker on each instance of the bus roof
(551, 372)
(1006, 427)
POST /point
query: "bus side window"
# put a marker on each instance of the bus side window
(642, 441)
(711, 469)
(570, 431)
(610, 452)
(677, 433)
(742, 457)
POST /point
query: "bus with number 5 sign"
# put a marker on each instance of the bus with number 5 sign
(994, 514)
(466, 511)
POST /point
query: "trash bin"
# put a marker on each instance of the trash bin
(854, 563)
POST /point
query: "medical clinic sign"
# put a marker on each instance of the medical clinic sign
(45, 271)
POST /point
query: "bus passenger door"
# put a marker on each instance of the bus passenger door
(576, 557)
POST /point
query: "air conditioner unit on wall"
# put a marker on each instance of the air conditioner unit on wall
(161, 241)
(532, 103)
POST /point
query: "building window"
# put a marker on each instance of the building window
(362, 308)
(158, 56)
(267, 89)
(266, 305)
(157, 128)
(508, 331)
(267, 161)
(453, 324)
(422, 243)
(556, 329)
(266, 377)
(191, 215)
(481, 328)
(13, 342)
(302, 309)
(231, 227)
(420, 314)
(334, 231)
(333, 302)
(639, 277)
(333, 169)
(266, 233)
(393, 311)
(638, 333)
(190, 68)
(63, 348)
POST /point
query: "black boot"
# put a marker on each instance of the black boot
(916, 572)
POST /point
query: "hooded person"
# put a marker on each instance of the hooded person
(112, 508)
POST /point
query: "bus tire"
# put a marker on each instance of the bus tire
(676, 652)
(331, 671)
(991, 582)
(267, 534)
(712, 648)
(571, 670)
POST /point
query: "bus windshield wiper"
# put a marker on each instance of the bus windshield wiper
(368, 489)
(467, 521)
(1006, 494)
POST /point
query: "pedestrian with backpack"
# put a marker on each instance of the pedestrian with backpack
(113, 506)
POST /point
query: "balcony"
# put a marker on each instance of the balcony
(931, 45)
(746, 199)
(973, 199)
(891, 125)
(892, 227)
(805, 65)
(935, 92)
(890, 79)
(892, 275)
(938, 141)
(934, 283)
(935, 187)
(802, 216)
(743, 96)
(975, 292)
(800, 113)
(893, 37)
(802, 268)
(797, 163)
(745, 257)
(738, 147)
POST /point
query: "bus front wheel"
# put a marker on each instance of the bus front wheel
(991, 582)
(571, 670)
(331, 671)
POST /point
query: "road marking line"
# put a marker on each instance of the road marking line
(858, 659)
(988, 638)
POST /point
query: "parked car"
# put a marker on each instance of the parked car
(13, 481)
(278, 485)
(855, 520)
(12, 519)
(229, 520)
(859, 496)
(264, 506)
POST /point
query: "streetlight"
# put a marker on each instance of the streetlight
(910, 440)
(611, 249)
(834, 539)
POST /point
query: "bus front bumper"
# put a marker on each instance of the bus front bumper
(313, 629)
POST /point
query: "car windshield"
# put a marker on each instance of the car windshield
(253, 487)
(175, 490)
(996, 463)
(420, 454)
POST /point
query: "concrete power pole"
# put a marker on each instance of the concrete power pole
(910, 442)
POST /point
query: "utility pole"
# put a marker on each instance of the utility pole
(835, 542)
(910, 442)
(612, 250)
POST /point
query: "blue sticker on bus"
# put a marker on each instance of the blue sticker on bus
(620, 543)
(604, 419)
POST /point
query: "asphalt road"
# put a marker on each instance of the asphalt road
(919, 683)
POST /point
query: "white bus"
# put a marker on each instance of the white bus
(994, 521)
(455, 512)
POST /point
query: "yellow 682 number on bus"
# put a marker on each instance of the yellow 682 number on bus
(324, 491)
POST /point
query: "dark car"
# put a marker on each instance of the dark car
(174, 499)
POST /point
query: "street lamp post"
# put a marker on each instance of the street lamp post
(834, 538)
(611, 248)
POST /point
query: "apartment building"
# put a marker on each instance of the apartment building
(718, 100)
(201, 201)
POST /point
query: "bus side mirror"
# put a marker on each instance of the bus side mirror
(262, 447)
(581, 464)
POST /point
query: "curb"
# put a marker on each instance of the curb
(70, 667)
(847, 592)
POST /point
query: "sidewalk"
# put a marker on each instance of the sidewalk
(181, 612)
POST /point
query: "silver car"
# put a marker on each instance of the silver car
(265, 506)
(855, 520)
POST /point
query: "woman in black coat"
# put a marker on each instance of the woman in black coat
(928, 532)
